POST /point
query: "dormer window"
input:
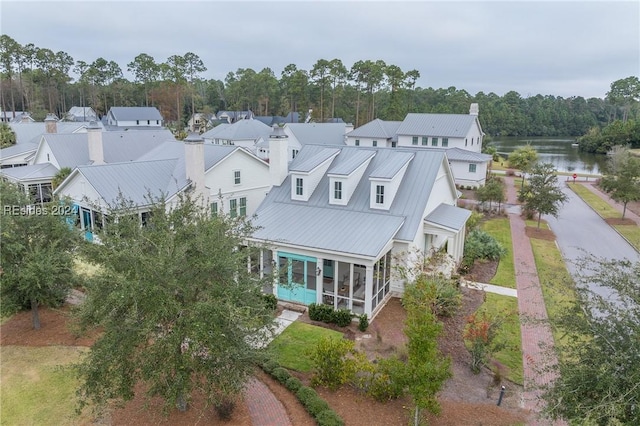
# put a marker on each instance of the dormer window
(337, 190)
(299, 186)
(379, 194)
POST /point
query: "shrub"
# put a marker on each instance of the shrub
(328, 418)
(320, 312)
(293, 384)
(510, 172)
(341, 317)
(334, 362)
(281, 375)
(363, 322)
(388, 380)
(311, 401)
(270, 365)
(270, 301)
(480, 334)
(448, 297)
(481, 245)
(224, 409)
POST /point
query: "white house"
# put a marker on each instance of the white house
(228, 179)
(134, 117)
(459, 134)
(246, 133)
(339, 220)
(83, 114)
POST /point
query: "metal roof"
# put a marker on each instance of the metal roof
(448, 216)
(445, 125)
(240, 130)
(33, 171)
(318, 133)
(310, 161)
(213, 154)
(346, 166)
(377, 129)
(18, 149)
(71, 150)
(135, 113)
(369, 226)
(390, 168)
(459, 154)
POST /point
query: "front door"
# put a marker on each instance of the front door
(298, 278)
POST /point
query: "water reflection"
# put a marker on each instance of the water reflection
(557, 151)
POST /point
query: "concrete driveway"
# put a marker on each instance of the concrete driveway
(580, 231)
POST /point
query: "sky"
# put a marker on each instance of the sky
(560, 48)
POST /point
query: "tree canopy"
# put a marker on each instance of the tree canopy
(178, 309)
(622, 180)
(598, 373)
(542, 194)
(36, 253)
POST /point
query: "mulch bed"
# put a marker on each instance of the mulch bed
(620, 221)
(540, 233)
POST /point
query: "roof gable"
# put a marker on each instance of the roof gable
(445, 125)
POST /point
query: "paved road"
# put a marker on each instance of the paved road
(579, 231)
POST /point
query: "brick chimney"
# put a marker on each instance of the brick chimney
(278, 155)
(194, 167)
(94, 138)
(51, 124)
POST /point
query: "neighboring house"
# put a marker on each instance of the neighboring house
(121, 118)
(229, 179)
(469, 168)
(461, 132)
(35, 180)
(341, 219)
(28, 136)
(233, 116)
(272, 120)
(301, 134)
(77, 113)
(200, 121)
(15, 117)
(246, 133)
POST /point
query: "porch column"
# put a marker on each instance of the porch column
(319, 280)
(276, 275)
(368, 290)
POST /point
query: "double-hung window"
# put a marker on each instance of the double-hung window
(337, 190)
(233, 208)
(434, 141)
(299, 186)
(379, 194)
(472, 168)
(445, 142)
(236, 177)
(414, 140)
(243, 206)
(425, 140)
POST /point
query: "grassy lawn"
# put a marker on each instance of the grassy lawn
(35, 389)
(293, 345)
(509, 335)
(501, 231)
(604, 209)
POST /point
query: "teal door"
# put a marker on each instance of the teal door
(298, 278)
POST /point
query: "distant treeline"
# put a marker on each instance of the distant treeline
(39, 81)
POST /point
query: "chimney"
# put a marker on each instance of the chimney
(194, 167)
(51, 124)
(278, 156)
(24, 118)
(474, 109)
(94, 137)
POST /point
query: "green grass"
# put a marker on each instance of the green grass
(606, 211)
(509, 335)
(293, 345)
(501, 231)
(35, 389)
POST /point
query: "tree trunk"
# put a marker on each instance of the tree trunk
(35, 316)
(624, 209)
(357, 107)
(539, 217)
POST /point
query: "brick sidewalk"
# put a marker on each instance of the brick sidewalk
(264, 408)
(534, 328)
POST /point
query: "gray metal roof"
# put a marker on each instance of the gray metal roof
(377, 129)
(240, 130)
(445, 125)
(390, 168)
(310, 161)
(448, 216)
(135, 113)
(318, 133)
(213, 154)
(459, 154)
(30, 172)
(370, 226)
(31, 132)
(71, 150)
(136, 181)
(18, 149)
(346, 166)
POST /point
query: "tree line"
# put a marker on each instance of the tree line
(40, 80)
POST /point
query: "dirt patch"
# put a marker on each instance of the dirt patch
(620, 221)
(482, 271)
(540, 233)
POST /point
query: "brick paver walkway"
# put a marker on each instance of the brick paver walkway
(264, 408)
(534, 328)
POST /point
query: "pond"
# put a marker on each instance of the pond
(556, 150)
